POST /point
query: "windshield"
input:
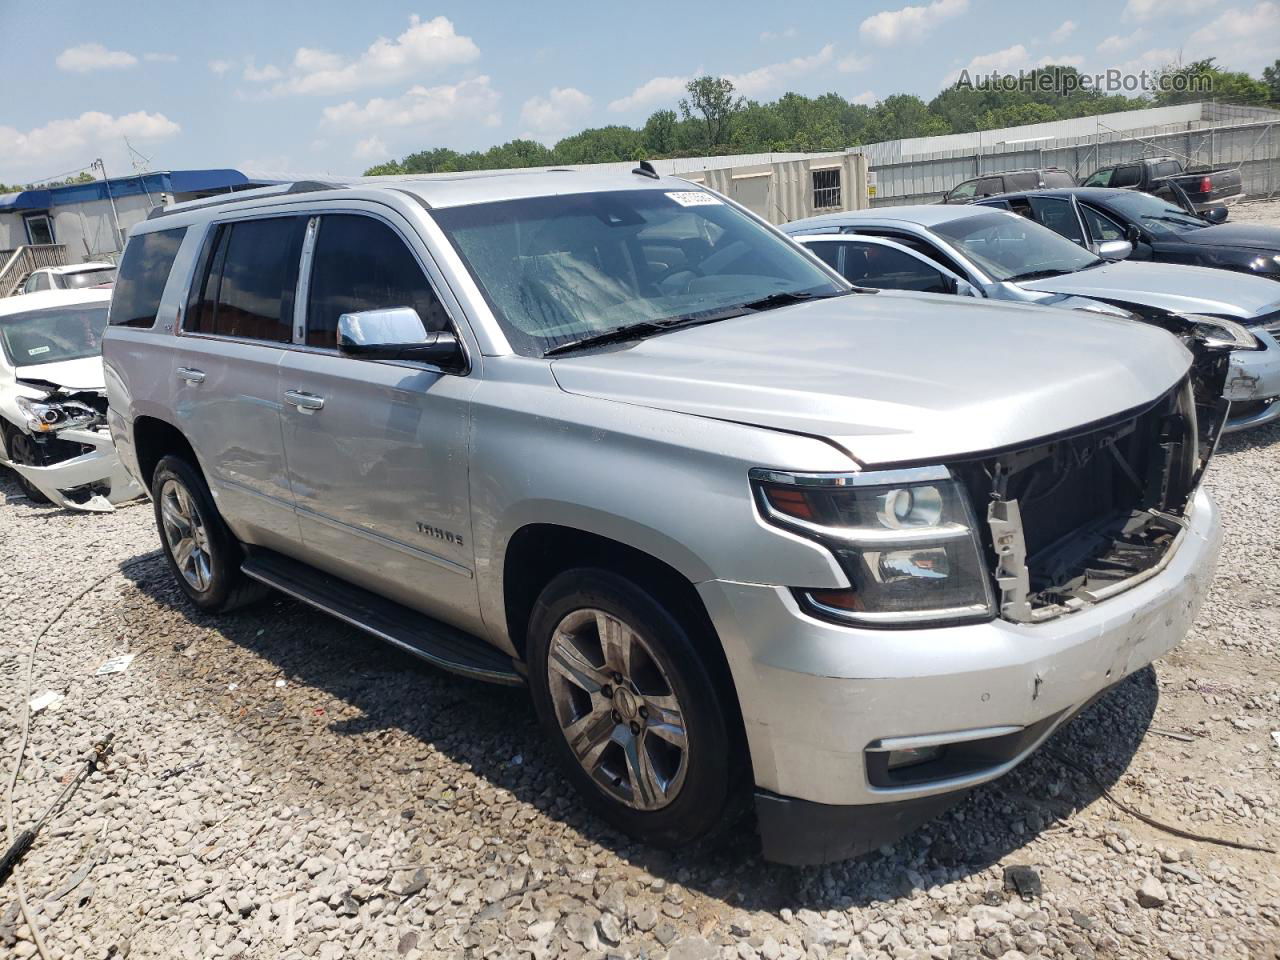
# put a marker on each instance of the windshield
(1161, 218)
(557, 269)
(48, 336)
(87, 278)
(1011, 247)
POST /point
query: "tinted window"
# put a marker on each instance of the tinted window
(1022, 181)
(248, 286)
(556, 269)
(828, 251)
(144, 270)
(1058, 215)
(362, 264)
(1058, 178)
(48, 336)
(873, 265)
(1100, 178)
(922, 247)
(89, 278)
(990, 187)
(1101, 228)
(1126, 176)
(1168, 168)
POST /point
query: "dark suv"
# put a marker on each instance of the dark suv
(991, 184)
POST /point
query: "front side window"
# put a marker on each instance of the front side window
(361, 263)
(144, 271)
(828, 251)
(557, 269)
(1100, 178)
(964, 191)
(53, 335)
(1058, 215)
(875, 265)
(248, 284)
(1009, 247)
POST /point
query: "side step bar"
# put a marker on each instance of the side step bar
(437, 643)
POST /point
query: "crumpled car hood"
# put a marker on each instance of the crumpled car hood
(1167, 286)
(72, 375)
(894, 379)
(1255, 236)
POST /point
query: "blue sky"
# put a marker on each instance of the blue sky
(330, 88)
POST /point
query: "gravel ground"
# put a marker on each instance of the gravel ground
(283, 786)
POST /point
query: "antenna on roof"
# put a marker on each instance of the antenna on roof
(646, 170)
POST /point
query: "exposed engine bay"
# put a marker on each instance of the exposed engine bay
(1078, 518)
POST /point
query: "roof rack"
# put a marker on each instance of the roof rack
(203, 203)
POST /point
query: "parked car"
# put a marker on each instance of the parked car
(614, 437)
(1153, 228)
(988, 185)
(1165, 177)
(53, 401)
(75, 276)
(1000, 255)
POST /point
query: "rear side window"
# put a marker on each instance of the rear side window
(1058, 215)
(1168, 168)
(1058, 178)
(1126, 176)
(360, 263)
(1022, 181)
(248, 280)
(991, 186)
(144, 270)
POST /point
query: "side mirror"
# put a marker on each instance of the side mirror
(1115, 249)
(396, 333)
(1133, 235)
(1215, 214)
(966, 289)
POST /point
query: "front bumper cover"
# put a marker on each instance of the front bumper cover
(1253, 381)
(100, 466)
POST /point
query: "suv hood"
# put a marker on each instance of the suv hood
(1171, 287)
(1254, 236)
(894, 379)
(73, 375)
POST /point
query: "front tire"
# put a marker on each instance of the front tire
(204, 556)
(630, 708)
(22, 450)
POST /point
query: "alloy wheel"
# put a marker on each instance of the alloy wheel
(617, 709)
(185, 533)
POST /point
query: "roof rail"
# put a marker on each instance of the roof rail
(203, 203)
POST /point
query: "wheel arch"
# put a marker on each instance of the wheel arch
(154, 439)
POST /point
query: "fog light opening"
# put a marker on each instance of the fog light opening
(898, 759)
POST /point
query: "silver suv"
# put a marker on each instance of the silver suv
(738, 525)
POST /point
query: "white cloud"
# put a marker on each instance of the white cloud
(1117, 43)
(867, 98)
(764, 79)
(788, 34)
(853, 64)
(220, 67)
(659, 90)
(1149, 61)
(77, 137)
(1242, 37)
(371, 148)
(472, 100)
(262, 74)
(93, 56)
(427, 45)
(1010, 60)
(1146, 9)
(160, 57)
(550, 117)
(1064, 30)
(909, 23)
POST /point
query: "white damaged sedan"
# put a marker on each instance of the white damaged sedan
(53, 401)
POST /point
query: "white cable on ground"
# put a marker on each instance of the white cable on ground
(26, 733)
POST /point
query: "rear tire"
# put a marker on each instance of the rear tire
(630, 708)
(203, 555)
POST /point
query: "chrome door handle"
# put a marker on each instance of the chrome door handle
(305, 402)
(191, 375)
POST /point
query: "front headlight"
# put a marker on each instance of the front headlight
(1221, 332)
(46, 417)
(906, 539)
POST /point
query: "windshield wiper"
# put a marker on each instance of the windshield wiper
(787, 297)
(1036, 275)
(638, 331)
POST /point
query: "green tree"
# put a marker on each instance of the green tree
(659, 132)
(1205, 80)
(600, 145)
(710, 98)
(1271, 77)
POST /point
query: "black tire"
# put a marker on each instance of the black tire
(16, 445)
(224, 587)
(711, 779)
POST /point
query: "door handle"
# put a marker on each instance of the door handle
(191, 375)
(305, 402)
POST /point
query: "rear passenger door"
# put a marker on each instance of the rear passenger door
(377, 450)
(237, 325)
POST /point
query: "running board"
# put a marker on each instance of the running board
(437, 643)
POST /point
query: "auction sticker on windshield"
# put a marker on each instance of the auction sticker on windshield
(694, 198)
